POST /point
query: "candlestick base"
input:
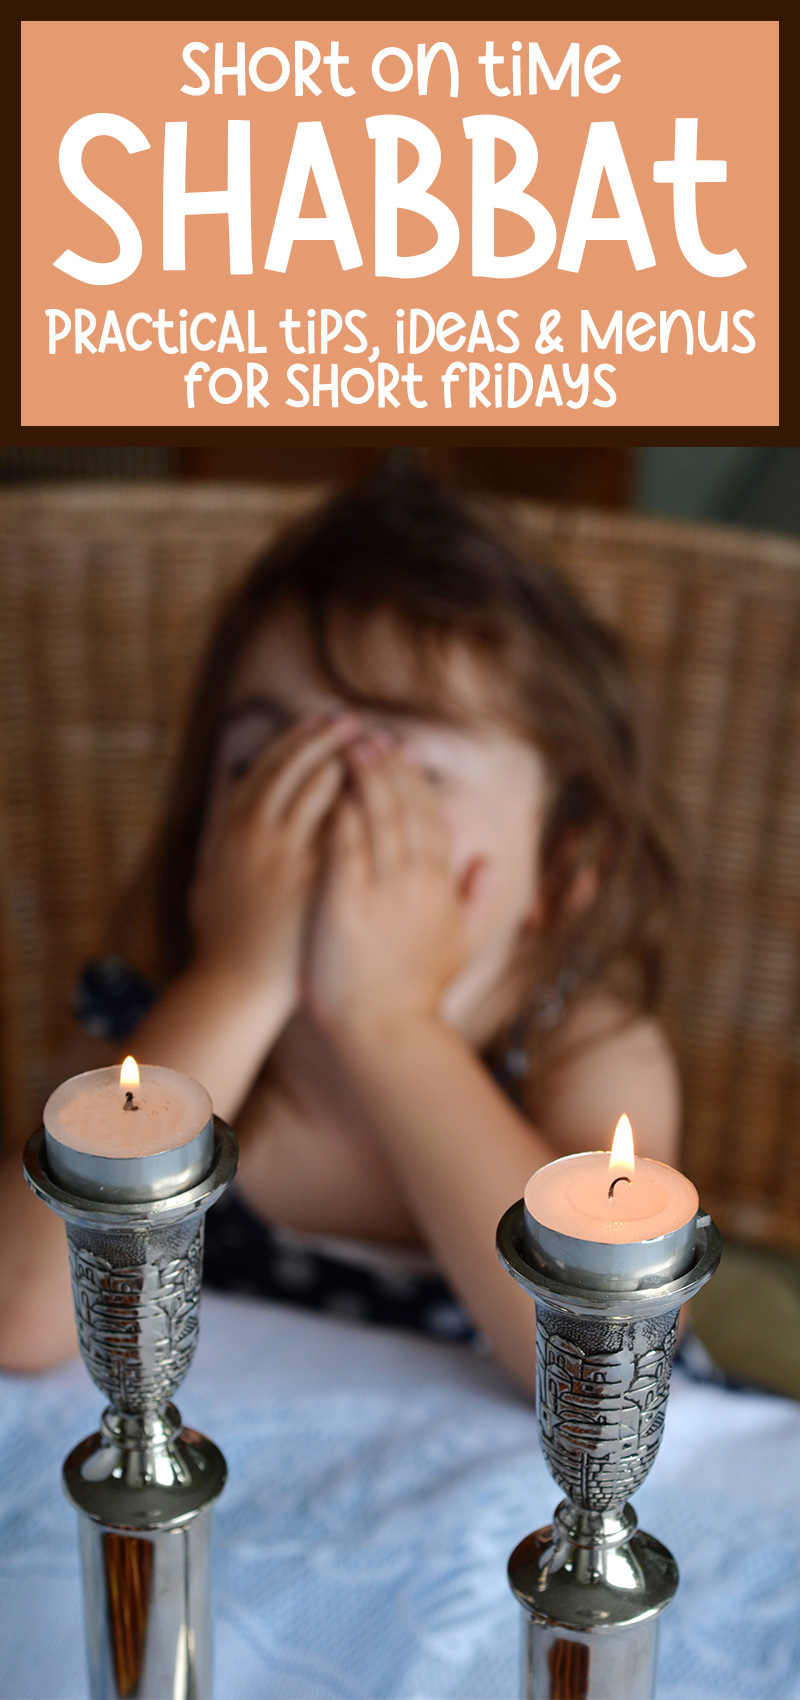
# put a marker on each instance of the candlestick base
(143, 1485)
(591, 1587)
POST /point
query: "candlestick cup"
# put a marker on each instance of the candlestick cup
(144, 1485)
(591, 1585)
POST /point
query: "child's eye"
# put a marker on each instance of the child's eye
(236, 766)
(433, 775)
(243, 741)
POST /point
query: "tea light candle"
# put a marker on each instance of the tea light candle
(611, 1221)
(129, 1135)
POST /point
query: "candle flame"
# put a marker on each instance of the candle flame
(621, 1160)
(129, 1073)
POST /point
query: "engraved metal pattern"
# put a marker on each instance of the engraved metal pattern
(143, 1486)
(591, 1582)
(602, 1389)
(136, 1297)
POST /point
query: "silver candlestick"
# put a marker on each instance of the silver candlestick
(143, 1484)
(592, 1587)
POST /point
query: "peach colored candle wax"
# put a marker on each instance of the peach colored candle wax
(571, 1196)
(164, 1110)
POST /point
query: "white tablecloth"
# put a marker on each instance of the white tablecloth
(377, 1485)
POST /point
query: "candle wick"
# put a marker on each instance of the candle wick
(129, 1104)
(616, 1181)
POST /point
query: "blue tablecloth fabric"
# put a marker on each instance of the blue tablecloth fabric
(378, 1482)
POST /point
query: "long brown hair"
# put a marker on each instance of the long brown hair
(401, 544)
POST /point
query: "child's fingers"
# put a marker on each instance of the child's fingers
(242, 795)
(280, 786)
(383, 812)
(248, 786)
(313, 801)
(425, 826)
(349, 837)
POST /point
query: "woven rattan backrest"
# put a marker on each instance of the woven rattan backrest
(106, 592)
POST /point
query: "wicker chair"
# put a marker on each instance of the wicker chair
(105, 594)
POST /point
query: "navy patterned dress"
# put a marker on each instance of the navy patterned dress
(245, 1254)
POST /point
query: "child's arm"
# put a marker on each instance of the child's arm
(217, 1021)
(461, 1154)
(390, 935)
(37, 1321)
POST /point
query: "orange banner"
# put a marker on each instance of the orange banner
(402, 224)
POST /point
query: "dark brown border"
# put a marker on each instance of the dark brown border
(786, 433)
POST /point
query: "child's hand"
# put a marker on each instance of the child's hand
(260, 855)
(391, 927)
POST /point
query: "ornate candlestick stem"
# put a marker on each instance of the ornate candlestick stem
(591, 1586)
(143, 1484)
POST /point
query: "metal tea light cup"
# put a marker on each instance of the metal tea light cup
(144, 1485)
(592, 1586)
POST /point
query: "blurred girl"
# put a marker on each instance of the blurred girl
(404, 918)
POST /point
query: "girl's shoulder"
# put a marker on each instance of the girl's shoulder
(606, 1058)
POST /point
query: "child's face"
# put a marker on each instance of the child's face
(492, 784)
